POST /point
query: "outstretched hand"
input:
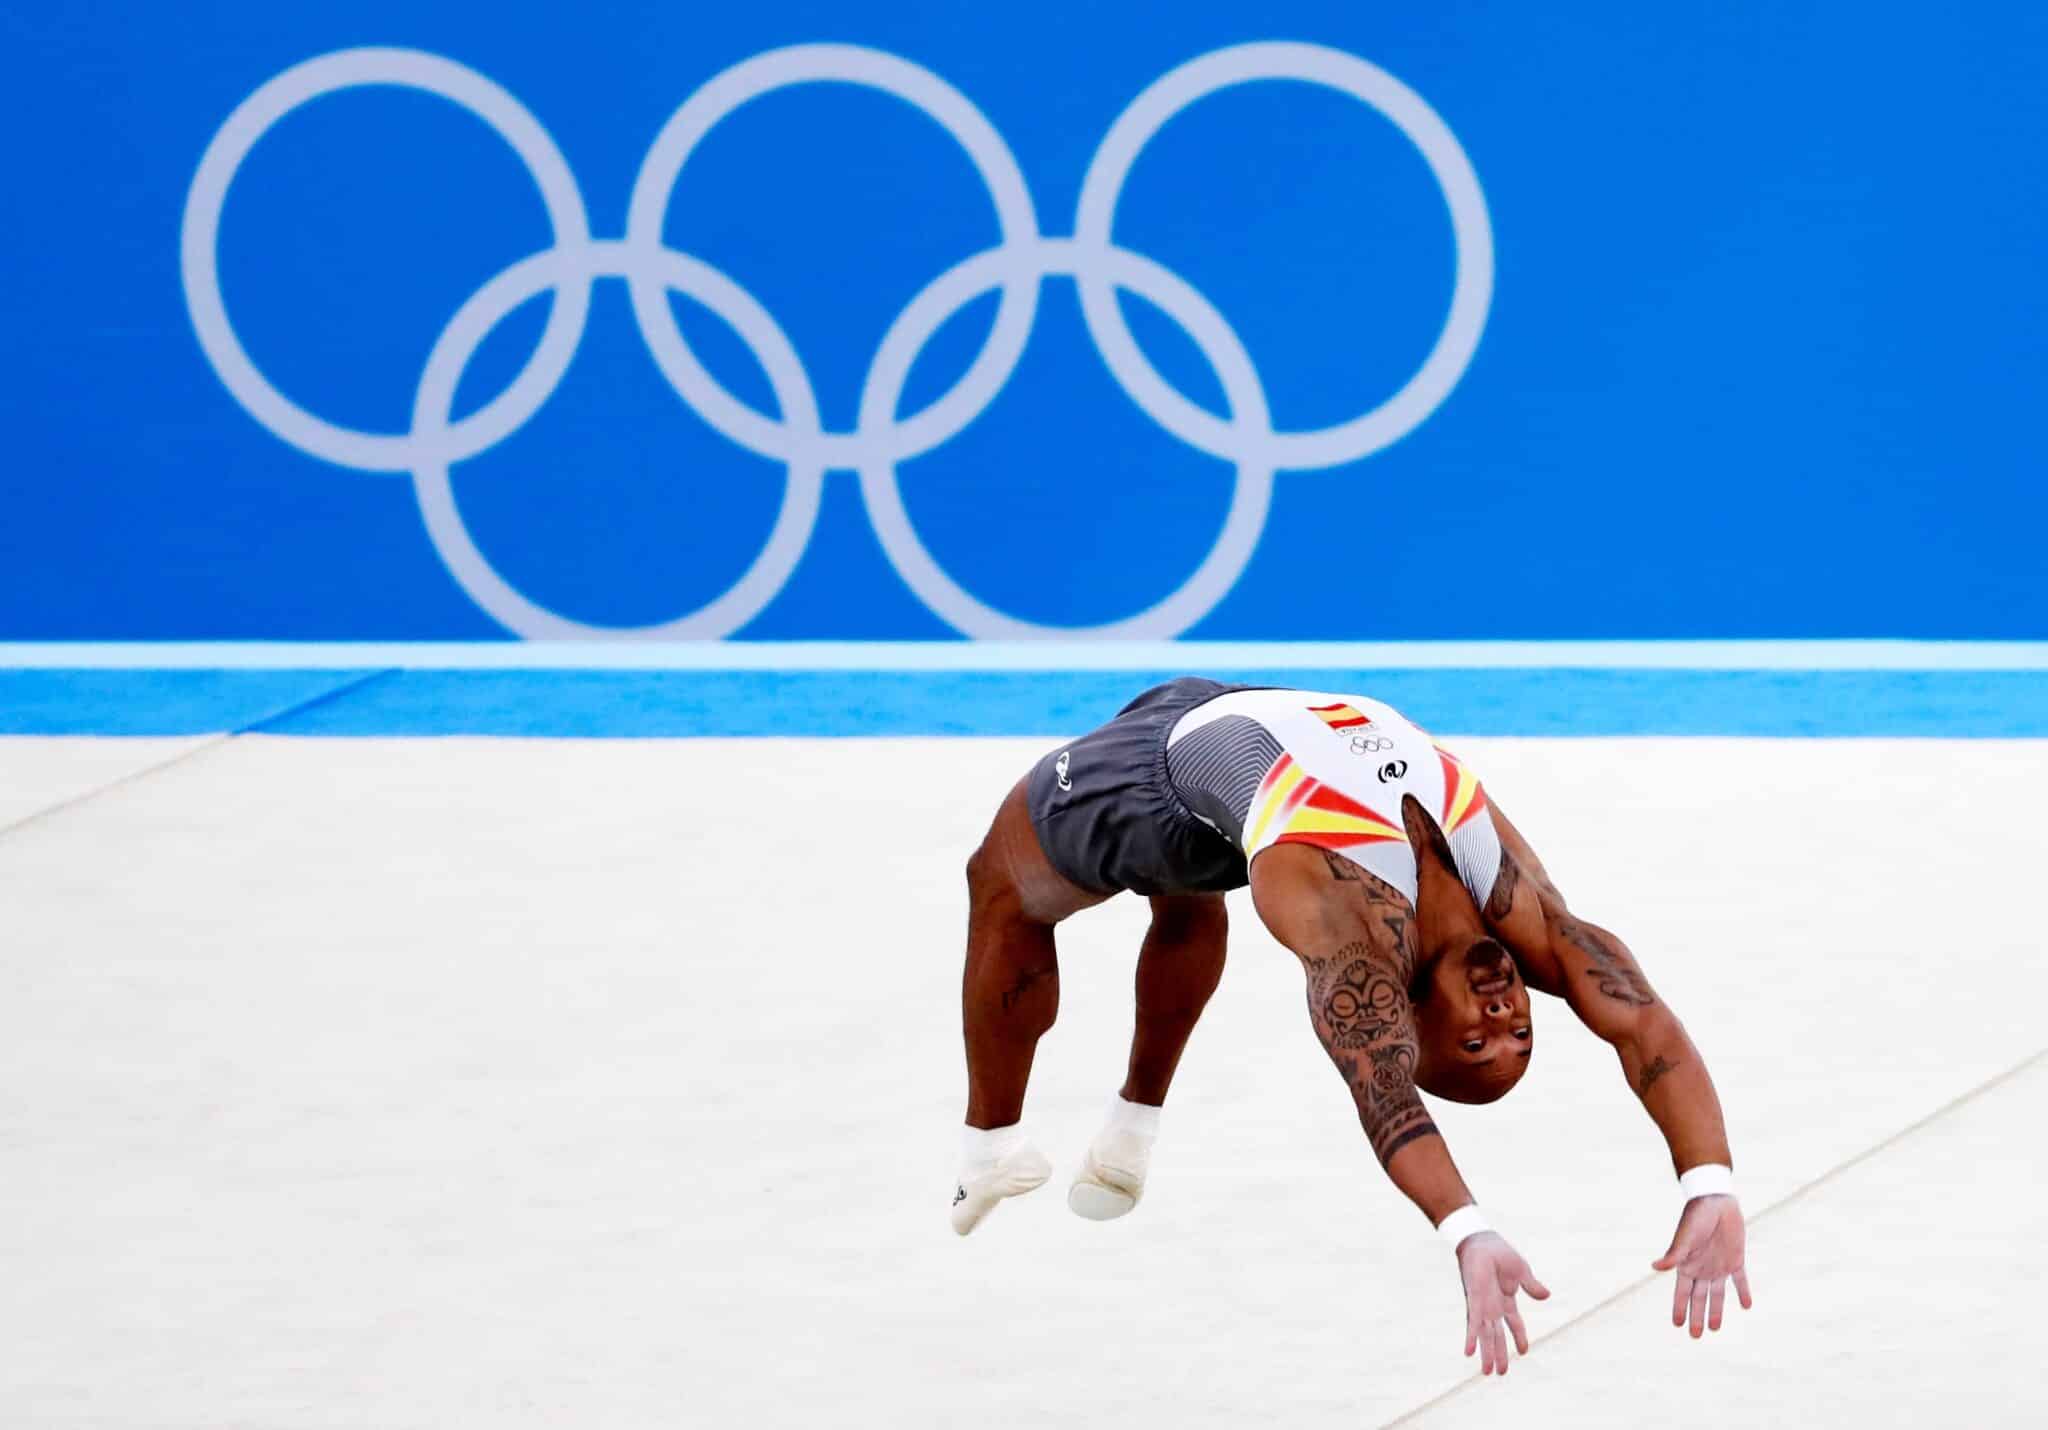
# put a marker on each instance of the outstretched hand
(1706, 1251)
(1493, 1271)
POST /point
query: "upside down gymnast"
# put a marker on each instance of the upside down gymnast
(1422, 920)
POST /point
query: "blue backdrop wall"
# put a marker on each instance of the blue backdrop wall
(1451, 320)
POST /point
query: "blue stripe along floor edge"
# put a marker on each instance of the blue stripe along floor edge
(675, 703)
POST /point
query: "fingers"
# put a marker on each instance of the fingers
(1698, 1299)
(1681, 1288)
(1715, 1302)
(1497, 1325)
(1483, 1332)
(1492, 1316)
(1742, 1285)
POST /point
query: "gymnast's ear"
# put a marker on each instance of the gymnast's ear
(1443, 905)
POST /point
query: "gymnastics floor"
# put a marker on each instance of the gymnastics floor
(502, 1083)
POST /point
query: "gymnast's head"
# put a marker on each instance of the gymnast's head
(1472, 1026)
(1473, 1031)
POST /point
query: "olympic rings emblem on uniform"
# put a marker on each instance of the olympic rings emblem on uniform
(881, 438)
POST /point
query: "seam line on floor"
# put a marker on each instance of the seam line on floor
(347, 687)
(1962, 1099)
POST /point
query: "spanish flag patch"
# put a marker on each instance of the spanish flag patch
(1339, 716)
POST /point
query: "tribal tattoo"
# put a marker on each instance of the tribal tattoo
(1353, 998)
(1612, 970)
(1390, 906)
(1389, 1108)
(1363, 1019)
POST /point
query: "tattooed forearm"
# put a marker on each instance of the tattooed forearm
(1389, 1109)
(1657, 1068)
(1394, 1115)
(1394, 1133)
(1613, 971)
(1502, 899)
(1341, 869)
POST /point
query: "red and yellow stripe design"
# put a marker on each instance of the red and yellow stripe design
(1294, 808)
(1339, 716)
(1463, 797)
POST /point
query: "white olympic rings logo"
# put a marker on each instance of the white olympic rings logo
(881, 438)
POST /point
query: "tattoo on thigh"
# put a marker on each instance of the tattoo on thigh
(1659, 1066)
(1613, 971)
(1502, 899)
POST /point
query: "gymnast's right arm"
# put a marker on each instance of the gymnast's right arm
(1358, 971)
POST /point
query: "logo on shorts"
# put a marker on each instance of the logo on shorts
(1341, 716)
(959, 1195)
(1059, 769)
(1393, 770)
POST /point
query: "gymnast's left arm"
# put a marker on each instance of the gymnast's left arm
(1605, 986)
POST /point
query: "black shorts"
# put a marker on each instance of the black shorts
(1108, 817)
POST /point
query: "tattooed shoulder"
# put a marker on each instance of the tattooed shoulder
(1341, 869)
(1502, 900)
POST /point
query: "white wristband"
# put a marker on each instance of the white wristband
(1707, 1180)
(1463, 1222)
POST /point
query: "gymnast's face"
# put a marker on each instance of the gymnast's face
(1472, 1024)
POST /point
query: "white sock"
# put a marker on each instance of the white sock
(1112, 1176)
(1138, 1118)
(996, 1163)
(985, 1146)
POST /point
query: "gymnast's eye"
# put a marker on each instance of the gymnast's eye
(1472, 1045)
(1522, 1033)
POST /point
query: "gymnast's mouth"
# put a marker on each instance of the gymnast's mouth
(1489, 969)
